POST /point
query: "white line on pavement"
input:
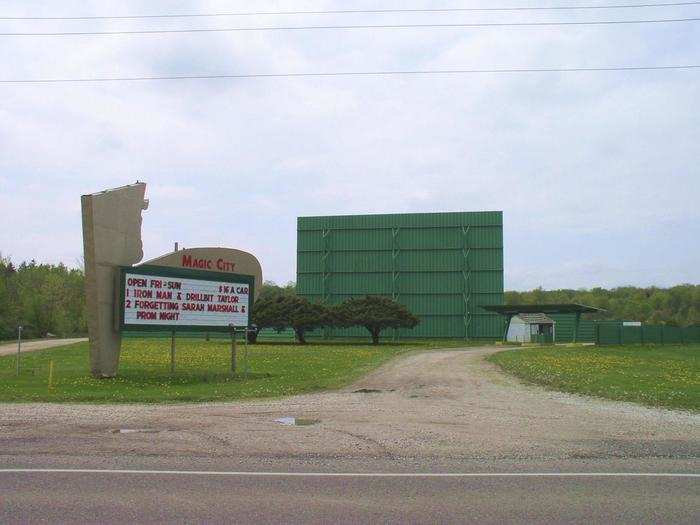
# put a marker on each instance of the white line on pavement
(357, 474)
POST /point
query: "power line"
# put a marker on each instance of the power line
(357, 11)
(415, 72)
(382, 26)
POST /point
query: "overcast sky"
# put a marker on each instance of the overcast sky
(597, 173)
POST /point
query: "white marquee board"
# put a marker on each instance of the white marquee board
(168, 299)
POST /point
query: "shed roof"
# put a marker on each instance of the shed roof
(562, 308)
(535, 318)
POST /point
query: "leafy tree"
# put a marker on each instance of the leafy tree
(8, 299)
(272, 289)
(283, 310)
(268, 312)
(265, 311)
(374, 313)
(304, 316)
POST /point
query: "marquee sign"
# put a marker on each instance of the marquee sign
(224, 260)
(162, 298)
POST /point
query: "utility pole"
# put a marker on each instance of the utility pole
(233, 349)
(19, 346)
(172, 352)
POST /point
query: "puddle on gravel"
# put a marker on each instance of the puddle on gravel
(296, 422)
(135, 431)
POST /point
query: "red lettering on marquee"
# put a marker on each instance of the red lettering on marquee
(225, 266)
(207, 264)
(202, 264)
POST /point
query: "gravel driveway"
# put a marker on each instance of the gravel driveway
(31, 346)
(439, 404)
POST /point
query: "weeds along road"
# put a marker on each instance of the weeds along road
(434, 412)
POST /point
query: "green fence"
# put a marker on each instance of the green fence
(619, 334)
(566, 326)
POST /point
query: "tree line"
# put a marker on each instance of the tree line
(50, 299)
(675, 306)
(44, 298)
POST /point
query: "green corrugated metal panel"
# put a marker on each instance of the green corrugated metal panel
(424, 260)
(631, 334)
(671, 334)
(609, 333)
(691, 334)
(586, 331)
(651, 334)
(565, 326)
(542, 339)
(443, 266)
(615, 333)
(399, 220)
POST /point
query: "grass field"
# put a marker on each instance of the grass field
(660, 376)
(201, 374)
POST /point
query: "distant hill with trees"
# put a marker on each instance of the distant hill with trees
(48, 298)
(43, 298)
(676, 306)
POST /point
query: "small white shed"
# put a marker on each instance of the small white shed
(531, 328)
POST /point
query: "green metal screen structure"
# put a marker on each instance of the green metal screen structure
(442, 266)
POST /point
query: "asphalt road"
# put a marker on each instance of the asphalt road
(110, 497)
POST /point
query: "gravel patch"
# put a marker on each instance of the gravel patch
(440, 404)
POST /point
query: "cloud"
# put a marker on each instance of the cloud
(173, 193)
(599, 167)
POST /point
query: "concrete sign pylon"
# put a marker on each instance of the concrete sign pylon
(111, 238)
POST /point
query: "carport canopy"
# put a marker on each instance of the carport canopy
(511, 310)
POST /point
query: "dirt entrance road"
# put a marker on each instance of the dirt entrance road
(442, 404)
(31, 346)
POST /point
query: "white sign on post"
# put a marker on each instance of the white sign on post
(170, 301)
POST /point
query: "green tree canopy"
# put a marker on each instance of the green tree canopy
(373, 313)
(272, 289)
(43, 298)
(280, 311)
